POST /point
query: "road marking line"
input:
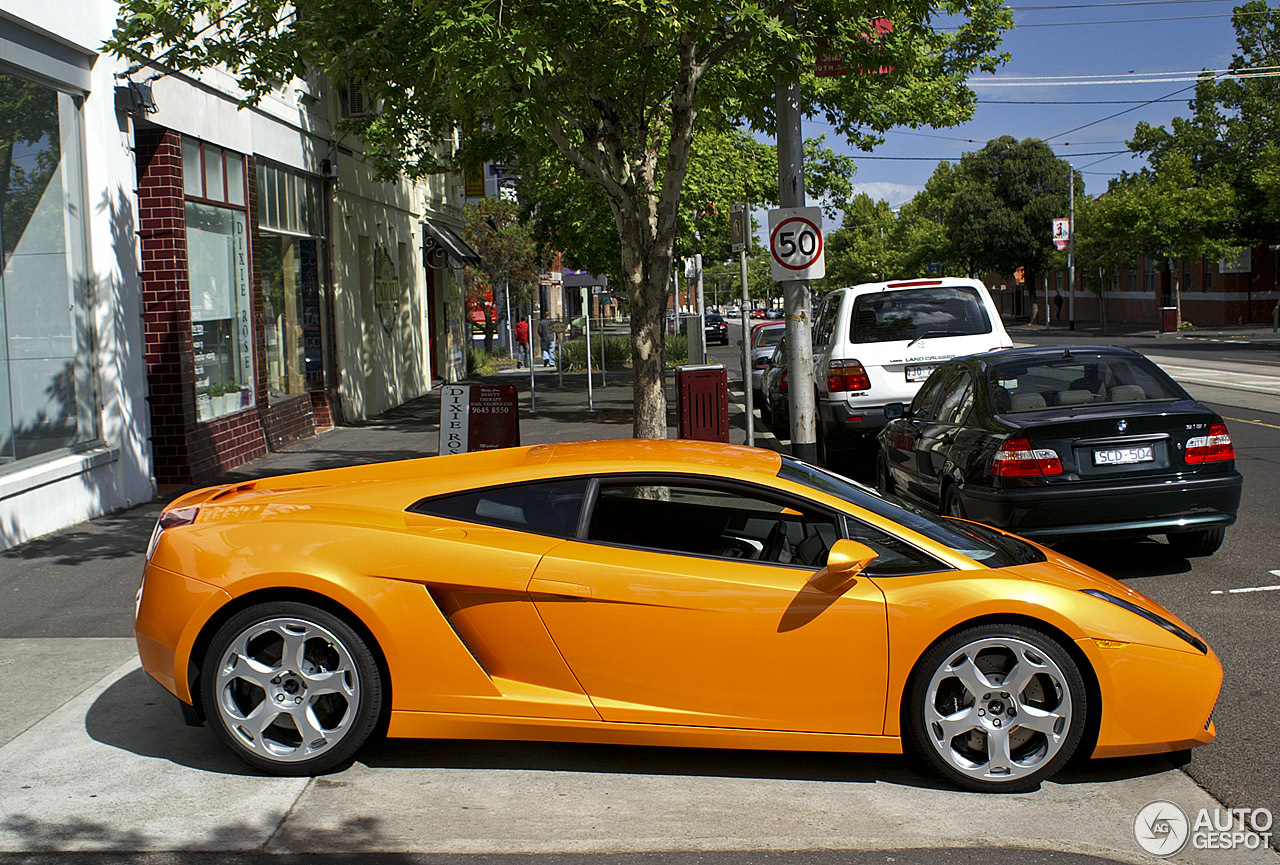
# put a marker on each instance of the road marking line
(1249, 588)
(1255, 421)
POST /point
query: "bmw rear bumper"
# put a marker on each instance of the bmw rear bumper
(1114, 509)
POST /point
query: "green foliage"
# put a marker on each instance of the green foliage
(508, 258)
(480, 362)
(621, 91)
(860, 250)
(572, 354)
(677, 350)
(1186, 325)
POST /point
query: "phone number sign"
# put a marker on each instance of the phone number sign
(795, 243)
(478, 417)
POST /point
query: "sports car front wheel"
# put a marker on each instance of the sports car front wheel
(997, 708)
(290, 688)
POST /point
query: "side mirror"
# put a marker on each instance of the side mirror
(739, 343)
(895, 410)
(845, 561)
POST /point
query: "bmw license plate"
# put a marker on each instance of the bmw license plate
(1123, 456)
(919, 373)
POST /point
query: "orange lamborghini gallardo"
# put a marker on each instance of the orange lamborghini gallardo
(649, 593)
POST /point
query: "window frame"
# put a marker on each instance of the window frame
(578, 529)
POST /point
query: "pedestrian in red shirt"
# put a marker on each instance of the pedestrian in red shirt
(522, 343)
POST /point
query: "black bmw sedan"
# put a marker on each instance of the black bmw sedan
(1055, 443)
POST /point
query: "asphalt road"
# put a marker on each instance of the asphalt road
(1242, 768)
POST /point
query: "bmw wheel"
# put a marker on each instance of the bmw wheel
(884, 480)
(997, 708)
(1201, 543)
(290, 688)
(951, 504)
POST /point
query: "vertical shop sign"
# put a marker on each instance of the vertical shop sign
(455, 407)
(240, 251)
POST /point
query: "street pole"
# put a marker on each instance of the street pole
(586, 320)
(506, 296)
(743, 212)
(1071, 249)
(533, 382)
(795, 293)
(702, 313)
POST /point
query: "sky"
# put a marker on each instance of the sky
(1109, 39)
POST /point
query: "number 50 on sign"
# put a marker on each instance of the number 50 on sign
(795, 243)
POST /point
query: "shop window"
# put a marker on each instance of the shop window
(292, 259)
(46, 393)
(221, 315)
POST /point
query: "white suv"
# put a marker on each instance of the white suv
(876, 343)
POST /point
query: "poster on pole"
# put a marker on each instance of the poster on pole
(795, 243)
(738, 227)
(478, 417)
(1061, 233)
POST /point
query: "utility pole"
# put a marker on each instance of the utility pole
(795, 293)
(1071, 248)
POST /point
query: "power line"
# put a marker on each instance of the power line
(1075, 101)
(1145, 20)
(1137, 74)
(958, 158)
(1117, 3)
(1162, 79)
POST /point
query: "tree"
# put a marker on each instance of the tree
(1004, 202)
(619, 90)
(859, 251)
(1164, 214)
(1234, 124)
(508, 258)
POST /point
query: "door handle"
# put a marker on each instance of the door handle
(559, 588)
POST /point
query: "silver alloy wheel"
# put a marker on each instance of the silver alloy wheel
(287, 689)
(998, 709)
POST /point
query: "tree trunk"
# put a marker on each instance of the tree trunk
(646, 276)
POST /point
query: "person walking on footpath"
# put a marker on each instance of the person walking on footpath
(547, 337)
(522, 343)
(1057, 302)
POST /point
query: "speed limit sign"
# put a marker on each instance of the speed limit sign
(795, 243)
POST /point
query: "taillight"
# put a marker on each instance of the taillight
(846, 375)
(1017, 459)
(1213, 448)
(782, 381)
(168, 520)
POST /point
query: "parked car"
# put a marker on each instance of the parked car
(764, 339)
(775, 387)
(714, 326)
(651, 592)
(876, 343)
(757, 313)
(1059, 443)
(775, 313)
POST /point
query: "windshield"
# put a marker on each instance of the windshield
(991, 548)
(919, 313)
(1075, 378)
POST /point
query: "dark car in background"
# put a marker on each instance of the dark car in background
(714, 327)
(764, 339)
(1064, 443)
(775, 387)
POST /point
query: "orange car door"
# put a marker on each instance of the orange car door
(692, 605)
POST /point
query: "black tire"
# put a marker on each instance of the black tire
(884, 480)
(1202, 543)
(332, 684)
(952, 506)
(1053, 695)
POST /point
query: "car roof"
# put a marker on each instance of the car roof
(1042, 352)
(901, 284)
(657, 455)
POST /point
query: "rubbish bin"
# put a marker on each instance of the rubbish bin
(1168, 319)
(702, 402)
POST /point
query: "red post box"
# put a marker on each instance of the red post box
(702, 402)
(1168, 319)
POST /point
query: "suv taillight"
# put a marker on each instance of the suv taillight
(783, 385)
(1214, 448)
(1017, 459)
(168, 520)
(846, 375)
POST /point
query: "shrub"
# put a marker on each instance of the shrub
(1186, 325)
(573, 353)
(479, 363)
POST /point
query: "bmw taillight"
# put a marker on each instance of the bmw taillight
(1017, 459)
(1214, 448)
(846, 375)
(169, 520)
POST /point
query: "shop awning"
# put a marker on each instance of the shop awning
(437, 237)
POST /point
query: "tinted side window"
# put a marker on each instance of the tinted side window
(825, 326)
(545, 508)
(922, 405)
(957, 398)
(707, 521)
(896, 558)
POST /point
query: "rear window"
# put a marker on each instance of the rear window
(1075, 379)
(770, 335)
(888, 316)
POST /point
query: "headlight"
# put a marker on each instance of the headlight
(1169, 626)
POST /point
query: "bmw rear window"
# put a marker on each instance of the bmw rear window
(1077, 378)
(918, 313)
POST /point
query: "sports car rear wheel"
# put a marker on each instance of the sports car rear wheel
(292, 689)
(997, 708)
